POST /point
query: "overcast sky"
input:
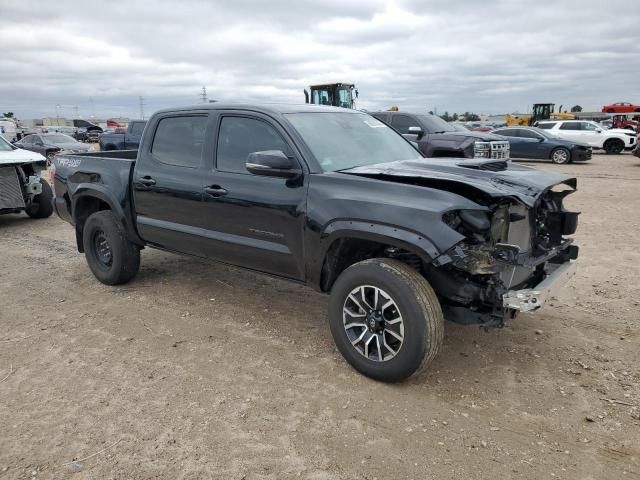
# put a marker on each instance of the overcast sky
(489, 56)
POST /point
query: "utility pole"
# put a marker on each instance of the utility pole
(93, 108)
(75, 110)
(141, 100)
(58, 115)
(203, 95)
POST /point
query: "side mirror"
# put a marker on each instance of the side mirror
(306, 96)
(598, 130)
(272, 163)
(416, 131)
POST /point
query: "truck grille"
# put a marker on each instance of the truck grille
(10, 191)
(496, 150)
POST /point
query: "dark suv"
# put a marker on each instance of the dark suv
(437, 138)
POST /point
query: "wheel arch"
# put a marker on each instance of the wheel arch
(347, 242)
(88, 199)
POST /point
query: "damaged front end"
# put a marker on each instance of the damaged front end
(512, 258)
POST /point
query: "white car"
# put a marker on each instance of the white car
(613, 140)
(21, 186)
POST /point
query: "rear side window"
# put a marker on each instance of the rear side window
(546, 126)
(511, 132)
(137, 128)
(401, 123)
(570, 126)
(240, 136)
(179, 140)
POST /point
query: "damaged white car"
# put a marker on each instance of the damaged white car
(21, 186)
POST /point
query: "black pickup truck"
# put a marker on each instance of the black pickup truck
(337, 200)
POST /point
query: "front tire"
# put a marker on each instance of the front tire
(613, 146)
(112, 258)
(41, 205)
(560, 156)
(385, 319)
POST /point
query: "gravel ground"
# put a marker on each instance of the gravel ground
(197, 370)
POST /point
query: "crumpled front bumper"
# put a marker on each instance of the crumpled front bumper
(532, 299)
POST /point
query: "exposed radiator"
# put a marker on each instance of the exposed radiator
(10, 191)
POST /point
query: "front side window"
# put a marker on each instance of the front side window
(240, 136)
(5, 146)
(590, 126)
(401, 123)
(546, 126)
(340, 141)
(528, 134)
(179, 140)
(570, 126)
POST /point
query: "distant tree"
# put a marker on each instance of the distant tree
(455, 117)
(8, 115)
(430, 112)
(576, 108)
(446, 117)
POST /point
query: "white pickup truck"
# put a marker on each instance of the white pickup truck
(613, 140)
(21, 186)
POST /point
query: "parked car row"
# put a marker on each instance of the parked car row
(51, 144)
(535, 143)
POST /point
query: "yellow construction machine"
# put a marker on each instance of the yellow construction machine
(541, 111)
(335, 94)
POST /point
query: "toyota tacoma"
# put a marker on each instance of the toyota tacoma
(334, 199)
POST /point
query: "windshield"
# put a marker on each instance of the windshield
(435, 124)
(345, 140)
(5, 146)
(57, 139)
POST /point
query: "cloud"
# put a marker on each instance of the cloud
(491, 56)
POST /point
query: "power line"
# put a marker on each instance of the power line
(141, 100)
(203, 95)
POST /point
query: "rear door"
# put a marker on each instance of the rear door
(571, 131)
(533, 144)
(254, 221)
(167, 182)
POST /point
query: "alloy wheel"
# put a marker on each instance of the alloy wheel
(373, 323)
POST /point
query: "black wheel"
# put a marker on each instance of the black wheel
(560, 155)
(613, 146)
(385, 319)
(112, 258)
(41, 205)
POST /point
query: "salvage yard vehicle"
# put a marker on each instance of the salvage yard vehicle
(437, 138)
(50, 144)
(621, 107)
(128, 140)
(535, 143)
(612, 141)
(332, 94)
(21, 187)
(334, 199)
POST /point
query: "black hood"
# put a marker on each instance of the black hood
(492, 178)
(460, 135)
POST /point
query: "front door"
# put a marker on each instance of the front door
(254, 221)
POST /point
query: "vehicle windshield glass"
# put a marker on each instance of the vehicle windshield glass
(345, 140)
(345, 99)
(57, 139)
(5, 146)
(435, 124)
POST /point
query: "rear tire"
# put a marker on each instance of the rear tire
(561, 156)
(613, 146)
(41, 205)
(112, 258)
(361, 319)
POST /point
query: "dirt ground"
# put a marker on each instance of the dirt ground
(197, 370)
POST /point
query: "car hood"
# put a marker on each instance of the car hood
(485, 136)
(19, 156)
(470, 178)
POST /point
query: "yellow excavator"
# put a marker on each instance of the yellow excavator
(540, 111)
(339, 94)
